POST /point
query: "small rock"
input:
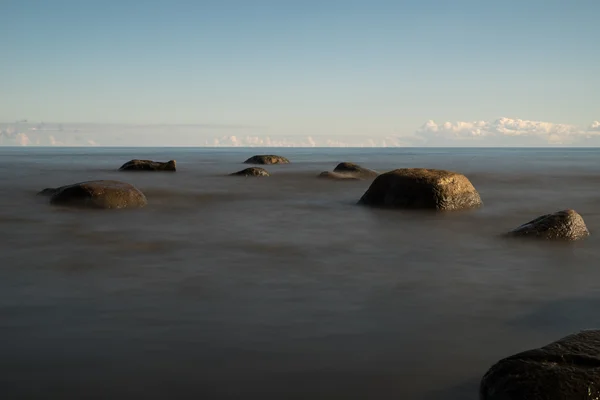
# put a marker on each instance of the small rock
(336, 176)
(252, 171)
(355, 170)
(267, 159)
(563, 370)
(419, 188)
(97, 194)
(561, 225)
(148, 165)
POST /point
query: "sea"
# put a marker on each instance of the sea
(283, 287)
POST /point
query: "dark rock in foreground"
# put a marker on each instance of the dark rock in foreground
(355, 170)
(267, 160)
(336, 176)
(252, 171)
(97, 194)
(148, 165)
(418, 188)
(567, 369)
(561, 225)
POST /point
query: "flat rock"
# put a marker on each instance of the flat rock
(267, 160)
(336, 176)
(97, 194)
(419, 188)
(561, 225)
(252, 171)
(148, 165)
(563, 370)
(355, 170)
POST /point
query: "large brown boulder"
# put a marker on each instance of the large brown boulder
(267, 159)
(252, 171)
(561, 225)
(418, 188)
(567, 369)
(97, 194)
(336, 176)
(148, 165)
(355, 170)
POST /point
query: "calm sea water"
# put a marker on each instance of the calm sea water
(281, 287)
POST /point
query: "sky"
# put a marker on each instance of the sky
(266, 72)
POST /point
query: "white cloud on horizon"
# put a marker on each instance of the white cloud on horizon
(507, 131)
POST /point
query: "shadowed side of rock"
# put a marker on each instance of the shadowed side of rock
(148, 165)
(419, 188)
(97, 194)
(267, 159)
(566, 369)
(355, 170)
(252, 171)
(561, 225)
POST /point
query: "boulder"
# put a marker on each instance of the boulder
(336, 176)
(566, 369)
(418, 188)
(148, 165)
(267, 160)
(97, 194)
(355, 170)
(252, 171)
(47, 192)
(561, 225)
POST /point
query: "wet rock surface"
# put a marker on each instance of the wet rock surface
(253, 171)
(355, 170)
(148, 165)
(97, 194)
(568, 369)
(267, 160)
(419, 188)
(561, 225)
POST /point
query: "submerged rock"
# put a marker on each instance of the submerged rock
(267, 160)
(566, 369)
(355, 170)
(561, 225)
(252, 171)
(148, 165)
(336, 176)
(97, 194)
(419, 188)
(47, 192)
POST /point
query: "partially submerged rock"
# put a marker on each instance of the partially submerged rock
(336, 176)
(561, 225)
(355, 170)
(252, 171)
(47, 192)
(419, 188)
(148, 165)
(267, 160)
(97, 194)
(566, 369)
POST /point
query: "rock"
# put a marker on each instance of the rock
(561, 225)
(252, 171)
(148, 165)
(566, 369)
(97, 194)
(418, 188)
(336, 176)
(355, 170)
(267, 159)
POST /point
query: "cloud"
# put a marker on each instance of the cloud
(302, 141)
(507, 131)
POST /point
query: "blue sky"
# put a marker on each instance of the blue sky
(347, 68)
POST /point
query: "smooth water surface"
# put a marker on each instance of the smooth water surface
(282, 287)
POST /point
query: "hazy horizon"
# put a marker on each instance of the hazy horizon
(271, 73)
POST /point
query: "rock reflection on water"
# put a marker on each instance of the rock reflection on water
(281, 287)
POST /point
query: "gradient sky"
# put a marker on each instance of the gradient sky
(300, 67)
